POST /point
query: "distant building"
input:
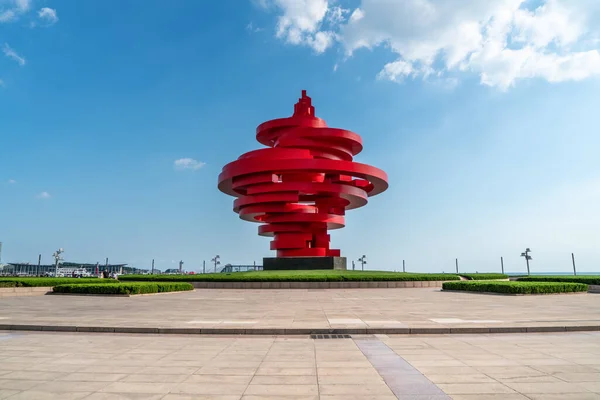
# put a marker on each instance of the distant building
(240, 268)
(68, 268)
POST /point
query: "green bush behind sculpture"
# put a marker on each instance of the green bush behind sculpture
(124, 288)
(515, 287)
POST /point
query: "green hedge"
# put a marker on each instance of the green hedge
(124, 288)
(32, 282)
(294, 276)
(587, 279)
(484, 276)
(515, 287)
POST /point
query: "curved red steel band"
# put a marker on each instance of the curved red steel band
(302, 184)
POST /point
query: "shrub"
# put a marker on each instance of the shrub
(293, 276)
(31, 282)
(124, 288)
(516, 287)
(484, 276)
(587, 279)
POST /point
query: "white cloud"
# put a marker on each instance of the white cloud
(12, 181)
(10, 53)
(188, 164)
(252, 28)
(501, 41)
(15, 8)
(396, 71)
(48, 15)
(304, 22)
(23, 5)
(43, 195)
(7, 15)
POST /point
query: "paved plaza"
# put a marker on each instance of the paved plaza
(511, 366)
(302, 309)
(418, 367)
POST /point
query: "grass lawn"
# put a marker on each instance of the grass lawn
(295, 276)
(587, 279)
(124, 288)
(484, 276)
(515, 287)
(37, 282)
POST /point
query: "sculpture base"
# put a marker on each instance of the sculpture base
(305, 263)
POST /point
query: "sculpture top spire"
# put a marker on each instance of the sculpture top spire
(304, 107)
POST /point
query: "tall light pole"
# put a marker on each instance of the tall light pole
(363, 261)
(57, 259)
(527, 258)
(216, 261)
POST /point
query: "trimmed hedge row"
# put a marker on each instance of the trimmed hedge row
(484, 276)
(124, 288)
(587, 279)
(293, 276)
(516, 287)
(37, 282)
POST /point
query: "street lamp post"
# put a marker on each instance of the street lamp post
(216, 261)
(363, 261)
(57, 260)
(527, 258)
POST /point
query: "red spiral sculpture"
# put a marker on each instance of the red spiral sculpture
(302, 184)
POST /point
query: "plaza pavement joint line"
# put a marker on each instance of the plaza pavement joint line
(404, 380)
(298, 331)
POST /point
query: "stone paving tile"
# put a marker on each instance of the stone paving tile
(564, 396)
(302, 308)
(460, 378)
(124, 396)
(199, 397)
(503, 396)
(276, 397)
(90, 377)
(336, 369)
(591, 386)
(355, 390)
(219, 379)
(547, 387)
(38, 395)
(281, 390)
(208, 388)
(475, 388)
(133, 387)
(6, 384)
(390, 396)
(285, 380)
(4, 393)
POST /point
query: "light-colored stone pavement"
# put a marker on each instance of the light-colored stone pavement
(478, 367)
(306, 309)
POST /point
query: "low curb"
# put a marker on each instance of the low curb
(300, 331)
(318, 285)
(514, 294)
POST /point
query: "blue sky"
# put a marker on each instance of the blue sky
(484, 117)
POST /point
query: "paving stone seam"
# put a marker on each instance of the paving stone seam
(297, 331)
(404, 380)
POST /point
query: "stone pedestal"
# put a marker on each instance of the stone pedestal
(303, 263)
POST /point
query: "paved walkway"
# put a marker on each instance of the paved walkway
(176, 367)
(356, 309)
